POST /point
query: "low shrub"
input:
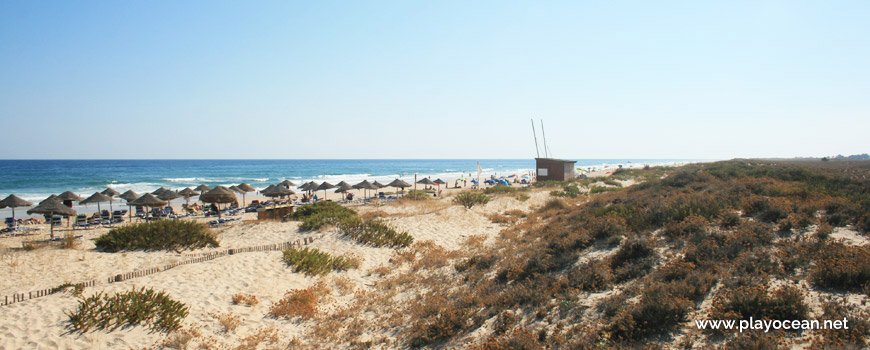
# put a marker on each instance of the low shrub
(374, 232)
(823, 231)
(159, 235)
(693, 225)
(658, 312)
(602, 189)
(843, 267)
(416, 196)
(855, 337)
(499, 189)
(314, 262)
(757, 302)
(591, 276)
(570, 191)
(470, 199)
(729, 220)
(634, 258)
(322, 214)
(143, 306)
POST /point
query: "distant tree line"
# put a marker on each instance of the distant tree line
(854, 157)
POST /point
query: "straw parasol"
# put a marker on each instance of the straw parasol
(245, 188)
(425, 181)
(68, 197)
(202, 188)
(97, 197)
(54, 196)
(324, 186)
(159, 191)
(308, 186)
(14, 202)
(439, 182)
(110, 192)
(399, 184)
(168, 196)
(129, 196)
(187, 193)
(365, 185)
(147, 200)
(218, 195)
(343, 187)
(288, 183)
(51, 207)
(276, 191)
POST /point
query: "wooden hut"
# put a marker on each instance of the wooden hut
(554, 169)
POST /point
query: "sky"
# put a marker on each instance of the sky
(433, 79)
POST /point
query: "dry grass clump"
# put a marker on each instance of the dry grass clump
(263, 338)
(311, 261)
(160, 234)
(499, 189)
(855, 337)
(69, 241)
(302, 303)
(228, 321)
(245, 299)
(144, 306)
(30, 245)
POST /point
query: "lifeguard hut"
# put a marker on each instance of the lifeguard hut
(554, 169)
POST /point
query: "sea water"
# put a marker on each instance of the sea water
(34, 180)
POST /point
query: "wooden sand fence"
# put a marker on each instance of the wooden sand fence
(188, 259)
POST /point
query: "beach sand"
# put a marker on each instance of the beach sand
(207, 287)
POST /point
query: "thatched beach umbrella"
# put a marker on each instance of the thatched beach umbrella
(218, 195)
(276, 191)
(159, 191)
(343, 187)
(14, 202)
(324, 186)
(187, 193)
(425, 181)
(168, 196)
(365, 185)
(308, 186)
(288, 183)
(129, 196)
(147, 200)
(51, 208)
(202, 188)
(439, 182)
(68, 197)
(111, 192)
(97, 197)
(245, 188)
(399, 184)
(54, 196)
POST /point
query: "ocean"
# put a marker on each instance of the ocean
(34, 180)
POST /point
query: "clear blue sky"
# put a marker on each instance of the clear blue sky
(433, 79)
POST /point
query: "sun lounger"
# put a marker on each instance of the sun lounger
(81, 221)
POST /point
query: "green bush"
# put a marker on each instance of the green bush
(322, 214)
(374, 232)
(416, 196)
(602, 189)
(570, 190)
(499, 189)
(143, 306)
(314, 262)
(470, 199)
(658, 312)
(160, 234)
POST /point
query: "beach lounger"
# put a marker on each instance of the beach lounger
(81, 221)
(117, 216)
(57, 220)
(140, 213)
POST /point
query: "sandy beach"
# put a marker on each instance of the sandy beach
(208, 286)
